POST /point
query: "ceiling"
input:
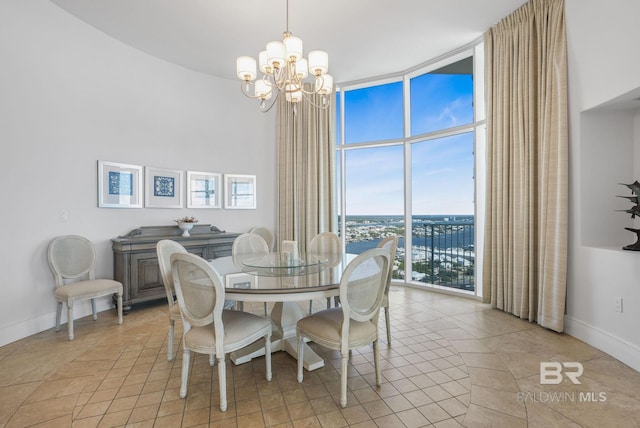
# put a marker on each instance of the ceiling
(364, 38)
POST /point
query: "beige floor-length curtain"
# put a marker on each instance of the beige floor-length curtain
(306, 165)
(525, 254)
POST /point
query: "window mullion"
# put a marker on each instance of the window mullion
(408, 209)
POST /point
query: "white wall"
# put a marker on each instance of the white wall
(70, 96)
(604, 150)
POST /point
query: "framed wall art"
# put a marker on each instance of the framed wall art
(239, 191)
(119, 185)
(163, 188)
(204, 189)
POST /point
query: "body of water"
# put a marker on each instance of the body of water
(449, 231)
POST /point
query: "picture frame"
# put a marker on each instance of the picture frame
(204, 189)
(163, 188)
(240, 191)
(119, 185)
(240, 280)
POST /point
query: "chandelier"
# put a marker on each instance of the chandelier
(284, 70)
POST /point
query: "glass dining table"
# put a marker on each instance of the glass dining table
(283, 280)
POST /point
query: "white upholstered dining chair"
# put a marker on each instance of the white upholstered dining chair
(73, 257)
(246, 245)
(390, 243)
(266, 234)
(355, 323)
(327, 243)
(165, 249)
(209, 328)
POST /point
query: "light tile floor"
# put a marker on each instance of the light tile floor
(453, 362)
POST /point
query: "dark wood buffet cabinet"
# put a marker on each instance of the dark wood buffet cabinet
(135, 261)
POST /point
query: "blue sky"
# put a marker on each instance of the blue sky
(442, 169)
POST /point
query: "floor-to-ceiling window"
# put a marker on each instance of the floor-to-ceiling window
(406, 156)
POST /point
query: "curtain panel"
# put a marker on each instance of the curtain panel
(525, 254)
(306, 170)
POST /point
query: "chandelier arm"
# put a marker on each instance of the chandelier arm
(270, 81)
(243, 88)
(314, 92)
(310, 101)
(278, 79)
(257, 97)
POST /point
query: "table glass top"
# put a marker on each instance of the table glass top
(282, 264)
(270, 273)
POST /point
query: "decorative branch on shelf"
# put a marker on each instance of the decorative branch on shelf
(634, 211)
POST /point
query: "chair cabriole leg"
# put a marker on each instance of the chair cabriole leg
(94, 310)
(388, 322)
(344, 362)
(300, 358)
(58, 315)
(186, 354)
(267, 355)
(70, 318)
(376, 361)
(119, 308)
(222, 382)
(170, 340)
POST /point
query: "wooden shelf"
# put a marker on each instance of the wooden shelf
(136, 261)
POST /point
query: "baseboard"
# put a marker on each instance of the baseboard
(626, 352)
(22, 329)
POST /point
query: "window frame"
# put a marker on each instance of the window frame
(474, 50)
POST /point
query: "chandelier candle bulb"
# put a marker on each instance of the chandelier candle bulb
(246, 68)
(318, 62)
(324, 85)
(302, 67)
(263, 65)
(294, 47)
(293, 93)
(276, 51)
(262, 89)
